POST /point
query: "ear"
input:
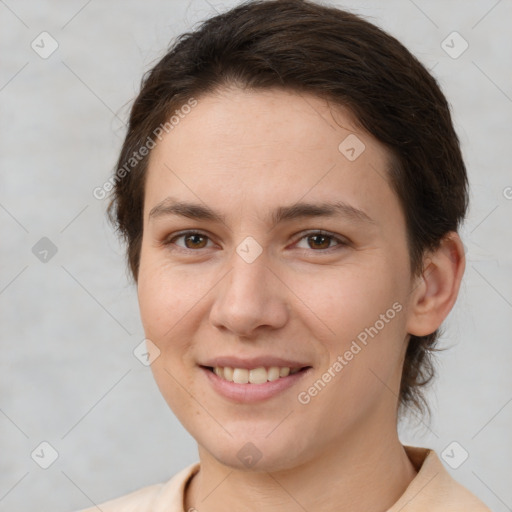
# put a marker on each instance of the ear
(435, 291)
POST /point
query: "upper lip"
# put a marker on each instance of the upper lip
(253, 362)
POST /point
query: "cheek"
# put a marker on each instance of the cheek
(349, 298)
(166, 300)
(363, 311)
(364, 353)
(165, 297)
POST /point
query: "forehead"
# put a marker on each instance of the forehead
(262, 149)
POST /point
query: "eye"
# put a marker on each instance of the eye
(192, 240)
(321, 240)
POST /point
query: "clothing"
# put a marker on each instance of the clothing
(432, 490)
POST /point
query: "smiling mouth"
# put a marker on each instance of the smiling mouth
(258, 375)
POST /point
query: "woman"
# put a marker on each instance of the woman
(290, 190)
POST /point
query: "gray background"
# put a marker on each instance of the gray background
(68, 326)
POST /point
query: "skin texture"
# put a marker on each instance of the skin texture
(244, 154)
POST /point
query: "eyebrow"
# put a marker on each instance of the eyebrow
(196, 211)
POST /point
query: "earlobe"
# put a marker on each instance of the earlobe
(434, 292)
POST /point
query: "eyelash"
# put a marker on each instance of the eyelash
(340, 242)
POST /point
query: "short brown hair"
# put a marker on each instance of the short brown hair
(302, 46)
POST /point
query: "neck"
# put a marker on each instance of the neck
(369, 471)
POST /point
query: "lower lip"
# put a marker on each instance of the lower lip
(247, 393)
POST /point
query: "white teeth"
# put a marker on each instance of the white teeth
(240, 375)
(284, 372)
(228, 373)
(273, 373)
(258, 375)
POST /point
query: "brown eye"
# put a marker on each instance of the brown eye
(192, 240)
(319, 241)
(196, 241)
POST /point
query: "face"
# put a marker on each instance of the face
(295, 256)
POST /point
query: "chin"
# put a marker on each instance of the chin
(252, 459)
(255, 453)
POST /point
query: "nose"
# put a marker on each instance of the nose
(250, 298)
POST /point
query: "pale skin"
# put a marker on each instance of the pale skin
(243, 154)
